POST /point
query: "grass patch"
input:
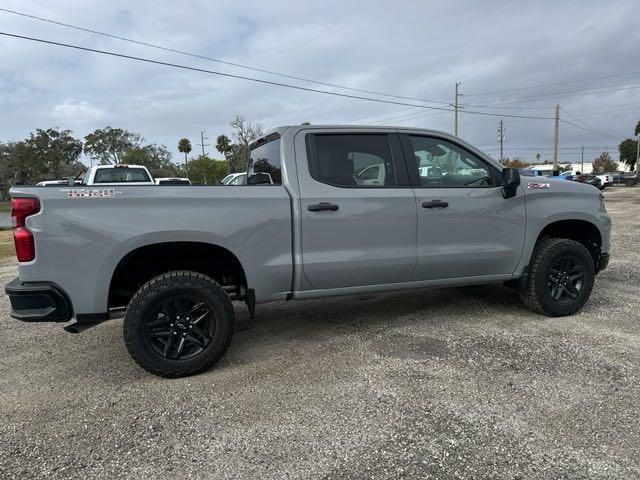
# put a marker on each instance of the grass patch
(7, 248)
(5, 206)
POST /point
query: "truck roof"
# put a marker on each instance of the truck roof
(120, 165)
(280, 130)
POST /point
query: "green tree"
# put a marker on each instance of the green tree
(207, 171)
(52, 150)
(628, 149)
(18, 164)
(223, 144)
(108, 145)
(515, 163)
(152, 156)
(604, 163)
(184, 146)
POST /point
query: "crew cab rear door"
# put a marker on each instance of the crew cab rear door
(358, 211)
(465, 226)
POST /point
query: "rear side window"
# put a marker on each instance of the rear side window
(351, 160)
(265, 164)
(121, 175)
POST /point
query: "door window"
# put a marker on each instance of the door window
(351, 160)
(265, 164)
(439, 163)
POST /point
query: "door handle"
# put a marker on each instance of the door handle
(318, 207)
(435, 204)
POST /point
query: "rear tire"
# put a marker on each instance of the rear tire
(561, 277)
(178, 324)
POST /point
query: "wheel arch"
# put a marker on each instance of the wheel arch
(583, 231)
(146, 261)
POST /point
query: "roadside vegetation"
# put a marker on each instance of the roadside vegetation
(54, 154)
(7, 249)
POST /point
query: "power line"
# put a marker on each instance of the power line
(589, 130)
(553, 83)
(462, 105)
(588, 127)
(257, 80)
(570, 93)
(225, 62)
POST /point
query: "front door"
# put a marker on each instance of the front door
(465, 226)
(358, 210)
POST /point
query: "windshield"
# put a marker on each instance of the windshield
(121, 175)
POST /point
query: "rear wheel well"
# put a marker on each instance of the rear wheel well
(581, 231)
(144, 263)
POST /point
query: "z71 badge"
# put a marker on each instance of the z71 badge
(91, 193)
(535, 185)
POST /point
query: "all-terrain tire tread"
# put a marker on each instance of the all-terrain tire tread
(529, 295)
(147, 290)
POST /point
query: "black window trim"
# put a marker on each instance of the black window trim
(395, 149)
(414, 177)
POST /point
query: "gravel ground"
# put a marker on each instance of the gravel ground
(452, 383)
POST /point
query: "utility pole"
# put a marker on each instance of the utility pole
(455, 108)
(202, 139)
(501, 139)
(555, 138)
(582, 157)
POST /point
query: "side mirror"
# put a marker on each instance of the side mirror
(510, 182)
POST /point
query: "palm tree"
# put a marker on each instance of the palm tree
(184, 146)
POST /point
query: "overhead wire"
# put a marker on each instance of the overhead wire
(258, 80)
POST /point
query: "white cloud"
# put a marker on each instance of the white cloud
(77, 111)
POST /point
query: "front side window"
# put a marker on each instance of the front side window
(121, 175)
(265, 164)
(440, 163)
(351, 160)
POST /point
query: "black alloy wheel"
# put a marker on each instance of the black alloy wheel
(566, 278)
(180, 328)
(178, 324)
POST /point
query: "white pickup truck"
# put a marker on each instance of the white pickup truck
(306, 225)
(104, 175)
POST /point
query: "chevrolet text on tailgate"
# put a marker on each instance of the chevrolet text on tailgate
(326, 210)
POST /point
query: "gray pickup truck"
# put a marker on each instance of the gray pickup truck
(327, 210)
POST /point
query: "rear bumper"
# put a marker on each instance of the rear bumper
(38, 302)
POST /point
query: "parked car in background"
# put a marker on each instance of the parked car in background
(233, 176)
(256, 179)
(588, 179)
(606, 180)
(239, 179)
(624, 178)
(173, 181)
(105, 175)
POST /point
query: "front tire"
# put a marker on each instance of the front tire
(178, 324)
(561, 277)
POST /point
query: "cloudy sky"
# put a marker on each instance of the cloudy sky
(512, 58)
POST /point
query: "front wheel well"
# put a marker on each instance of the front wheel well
(142, 264)
(581, 231)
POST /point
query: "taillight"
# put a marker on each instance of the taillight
(21, 208)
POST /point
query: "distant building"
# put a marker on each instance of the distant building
(547, 168)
